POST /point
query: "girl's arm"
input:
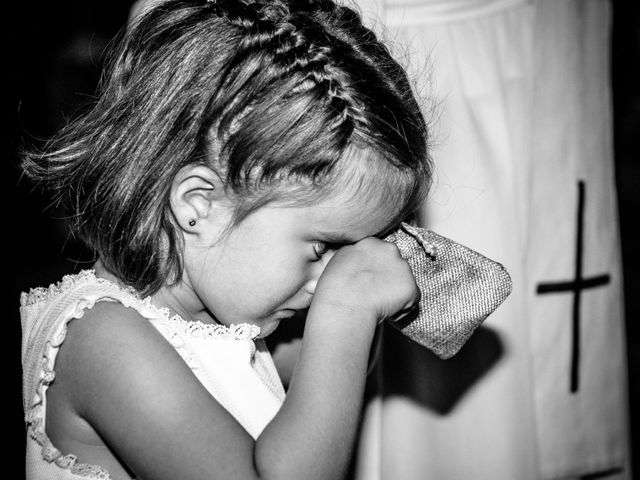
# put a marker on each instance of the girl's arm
(285, 344)
(313, 434)
(122, 377)
(316, 426)
(285, 357)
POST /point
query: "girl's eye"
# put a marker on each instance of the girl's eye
(320, 248)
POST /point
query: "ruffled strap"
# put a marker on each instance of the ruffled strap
(45, 313)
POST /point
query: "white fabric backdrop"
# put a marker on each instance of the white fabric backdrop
(524, 101)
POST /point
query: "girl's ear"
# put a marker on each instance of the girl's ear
(196, 191)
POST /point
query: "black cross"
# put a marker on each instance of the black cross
(576, 286)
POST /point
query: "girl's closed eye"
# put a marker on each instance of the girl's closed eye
(321, 248)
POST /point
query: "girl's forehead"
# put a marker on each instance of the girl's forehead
(365, 190)
(371, 183)
(364, 215)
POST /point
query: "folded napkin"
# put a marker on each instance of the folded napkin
(459, 289)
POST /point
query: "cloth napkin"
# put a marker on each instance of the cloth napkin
(459, 289)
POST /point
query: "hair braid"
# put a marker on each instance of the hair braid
(296, 43)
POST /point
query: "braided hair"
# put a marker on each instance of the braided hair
(273, 95)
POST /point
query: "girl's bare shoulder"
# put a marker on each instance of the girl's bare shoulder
(108, 341)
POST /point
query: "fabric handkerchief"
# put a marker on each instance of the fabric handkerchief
(459, 289)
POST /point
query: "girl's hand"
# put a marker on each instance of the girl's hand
(368, 277)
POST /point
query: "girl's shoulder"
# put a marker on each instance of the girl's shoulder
(110, 339)
(83, 311)
(94, 318)
(87, 314)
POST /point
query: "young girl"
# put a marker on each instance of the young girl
(241, 166)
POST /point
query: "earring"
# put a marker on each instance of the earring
(192, 222)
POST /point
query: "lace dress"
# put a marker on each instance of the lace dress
(247, 385)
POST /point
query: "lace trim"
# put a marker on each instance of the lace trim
(176, 324)
(52, 455)
(44, 294)
(240, 331)
(35, 417)
(175, 328)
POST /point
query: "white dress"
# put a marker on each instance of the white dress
(232, 364)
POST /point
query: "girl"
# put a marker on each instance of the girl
(240, 166)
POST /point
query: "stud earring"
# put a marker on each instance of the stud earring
(192, 222)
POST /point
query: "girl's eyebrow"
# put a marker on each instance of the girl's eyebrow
(337, 238)
(346, 239)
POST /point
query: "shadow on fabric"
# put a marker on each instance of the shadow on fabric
(414, 372)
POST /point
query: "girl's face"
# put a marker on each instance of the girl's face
(266, 268)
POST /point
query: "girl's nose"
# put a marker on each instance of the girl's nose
(310, 285)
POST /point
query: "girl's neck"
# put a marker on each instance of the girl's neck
(175, 298)
(182, 303)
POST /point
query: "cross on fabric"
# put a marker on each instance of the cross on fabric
(576, 286)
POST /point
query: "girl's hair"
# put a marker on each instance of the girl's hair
(276, 96)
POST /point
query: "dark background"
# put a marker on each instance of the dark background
(55, 52)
